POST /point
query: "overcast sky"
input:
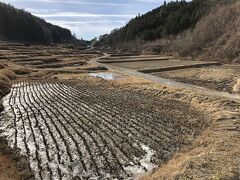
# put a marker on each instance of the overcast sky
(87, 18)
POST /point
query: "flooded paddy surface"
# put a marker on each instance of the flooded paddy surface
(106, 75)
(89, 130)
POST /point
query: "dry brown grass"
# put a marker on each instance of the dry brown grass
(5, 80)
(8, 73)
(5, 77)
(13, 166)
(7, 169)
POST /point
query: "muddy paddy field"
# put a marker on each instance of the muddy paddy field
(91, 130)
(67, 117)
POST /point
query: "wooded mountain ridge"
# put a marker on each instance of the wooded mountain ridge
(20, 25)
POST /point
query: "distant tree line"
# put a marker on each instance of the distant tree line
(169, 19)
(19, 25)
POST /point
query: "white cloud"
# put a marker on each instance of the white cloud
(87, 15)
(155, 1)
(39, 11)
(149, 1)
(60, 22)
(72, 2)
(90, 29)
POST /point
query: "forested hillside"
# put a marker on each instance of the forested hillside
(19, 25)
(170, 18)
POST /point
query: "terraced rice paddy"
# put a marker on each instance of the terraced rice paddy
(88, 130)
(149, 64)
(44, 57)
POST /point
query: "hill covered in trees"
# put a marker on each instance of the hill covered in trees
(19, 25)
(169, 19)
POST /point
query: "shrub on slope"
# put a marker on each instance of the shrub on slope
(216, 35)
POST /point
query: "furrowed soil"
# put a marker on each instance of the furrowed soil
(85, 129)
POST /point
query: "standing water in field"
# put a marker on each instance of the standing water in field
(106, 76)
